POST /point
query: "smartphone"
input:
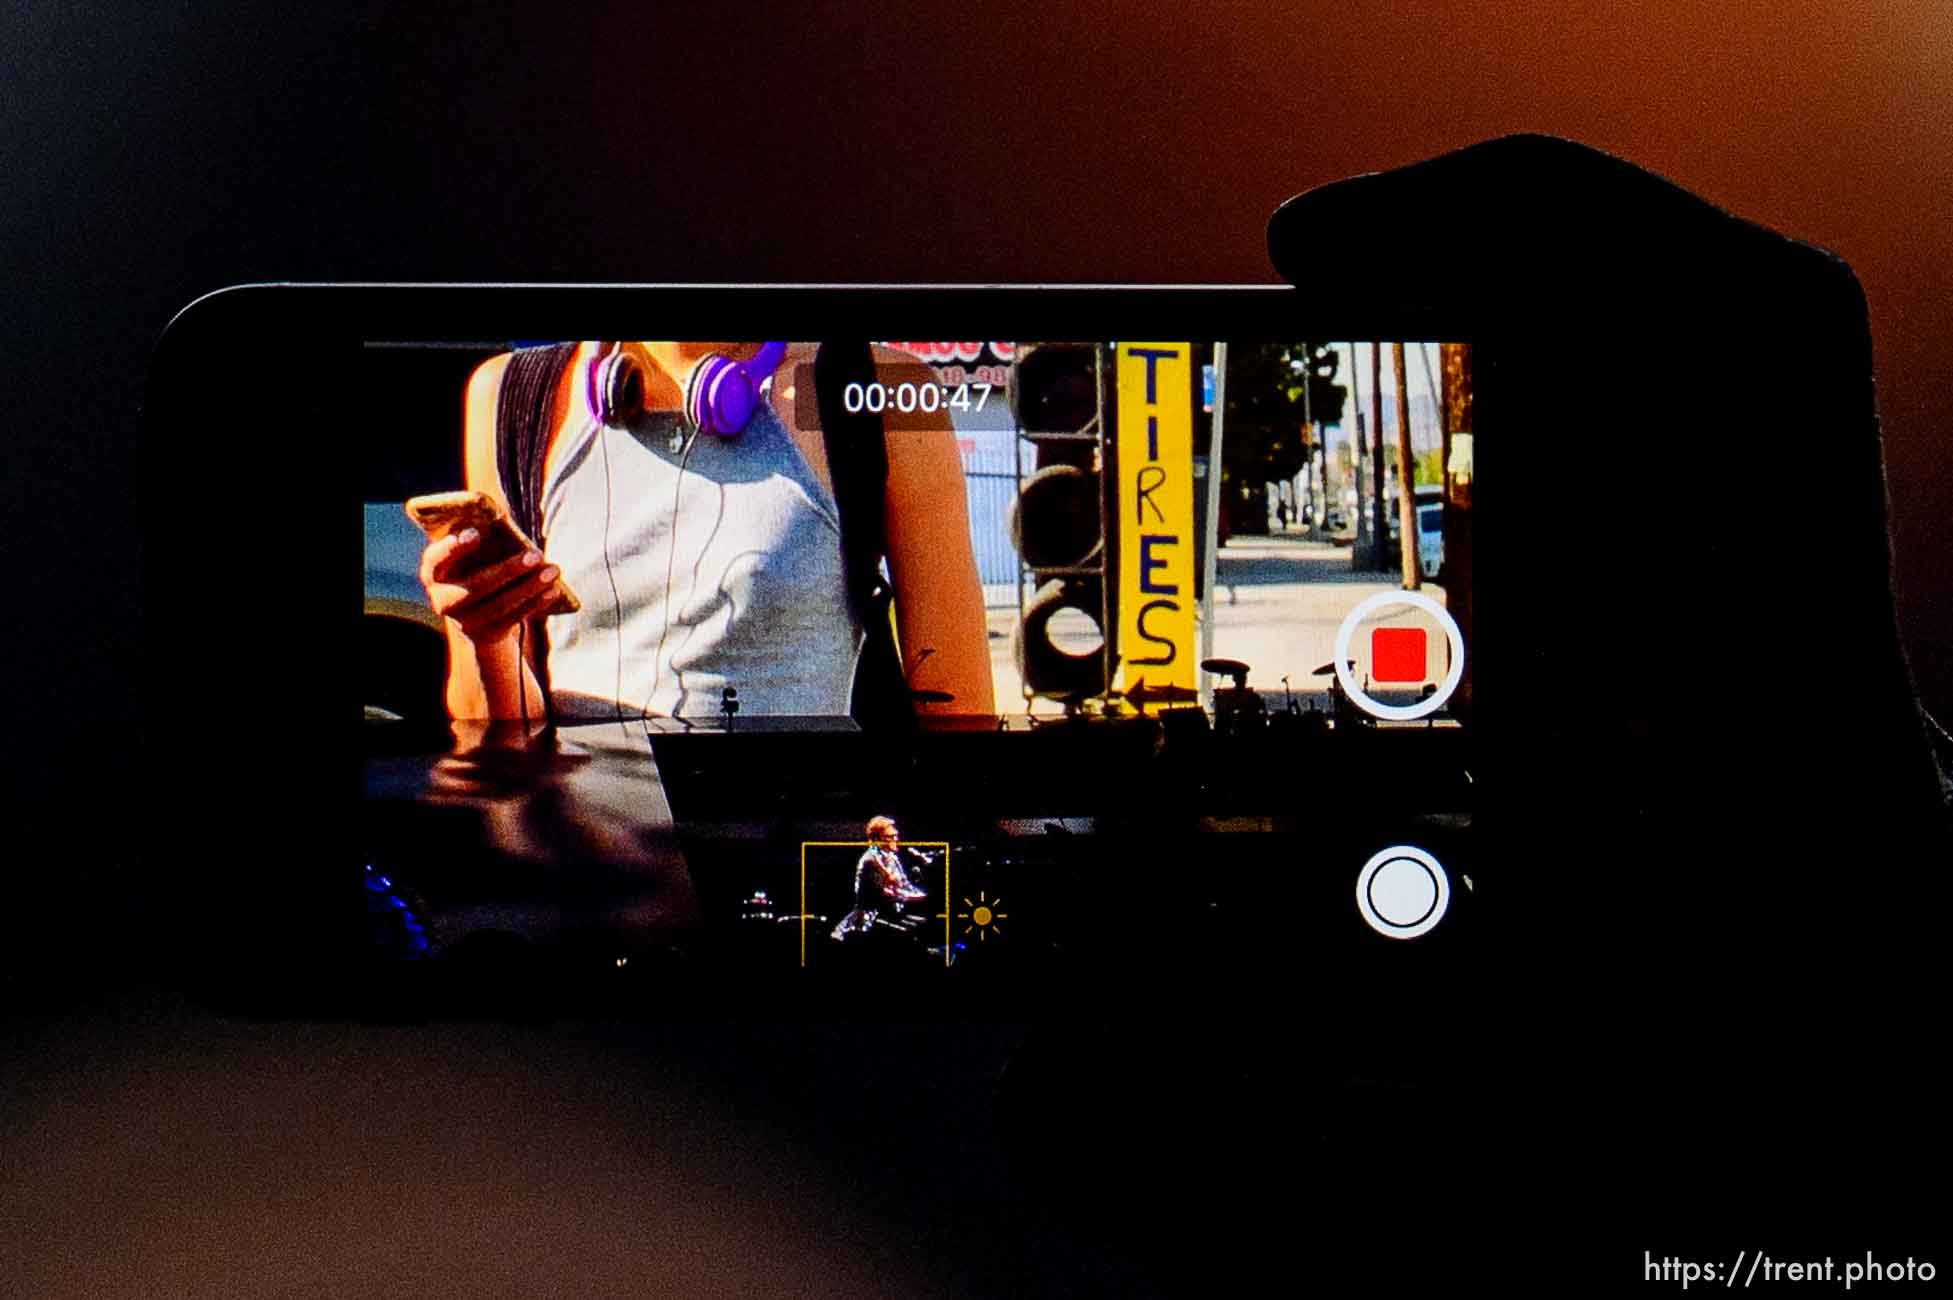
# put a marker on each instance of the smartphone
(1184, 832)
(442, 514)
(1191, 651)
(1285, 802)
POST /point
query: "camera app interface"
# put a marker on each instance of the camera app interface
(972, 660)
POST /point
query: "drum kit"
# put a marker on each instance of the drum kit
(1239, 711)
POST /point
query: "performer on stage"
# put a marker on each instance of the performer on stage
(880, 883)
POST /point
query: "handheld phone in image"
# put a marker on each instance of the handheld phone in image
(1344, 811)
(443, 514)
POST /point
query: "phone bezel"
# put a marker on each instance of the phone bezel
(251, 371)
(449, 312)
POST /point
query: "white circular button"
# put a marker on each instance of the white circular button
(1402, 892)
(1363, 700)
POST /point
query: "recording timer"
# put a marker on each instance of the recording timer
(908, 396)
(912, 390)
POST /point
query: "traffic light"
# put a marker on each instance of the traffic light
(1325, 394)
(1054, 389)
(1058, 521)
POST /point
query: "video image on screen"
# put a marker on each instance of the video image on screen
(697, 625)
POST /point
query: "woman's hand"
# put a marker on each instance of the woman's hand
(486, 603)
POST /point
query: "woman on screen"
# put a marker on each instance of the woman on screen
(703, 542)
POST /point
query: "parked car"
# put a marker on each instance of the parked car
(1430, 537)
(403, 648)
(413, 449)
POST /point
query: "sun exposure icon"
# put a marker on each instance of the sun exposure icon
(982, 916)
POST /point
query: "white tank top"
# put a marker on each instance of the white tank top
(740, 585)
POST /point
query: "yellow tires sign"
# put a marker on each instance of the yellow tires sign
(1156, 517)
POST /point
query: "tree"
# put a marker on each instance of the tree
(1267, 439)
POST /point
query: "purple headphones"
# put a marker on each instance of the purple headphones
(719, 398)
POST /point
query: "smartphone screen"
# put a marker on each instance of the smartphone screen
(1179, 637)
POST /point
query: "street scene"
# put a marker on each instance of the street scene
(1320, 447)
(1278, 602)
(1327, 456)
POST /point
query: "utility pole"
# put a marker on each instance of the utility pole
(1455, 364)
(1308, 415)
(1322, 511)
(1358, 447)
(1437, 400)
(1379, 527)
(1406, 492)
(1318, 438)
(1210, 566)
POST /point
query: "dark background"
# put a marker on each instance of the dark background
(153, 153)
